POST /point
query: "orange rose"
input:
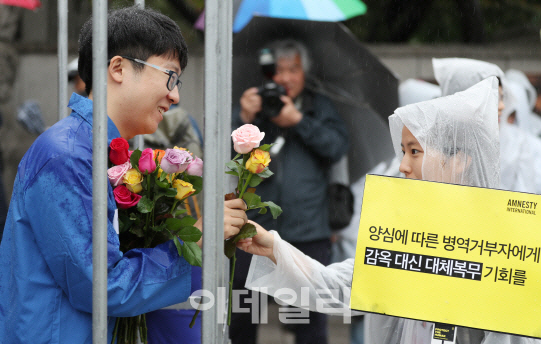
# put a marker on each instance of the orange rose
(258, 161)
(159, 153)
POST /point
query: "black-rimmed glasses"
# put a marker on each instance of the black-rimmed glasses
(173, 76)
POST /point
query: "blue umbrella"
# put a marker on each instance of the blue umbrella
(317, 10)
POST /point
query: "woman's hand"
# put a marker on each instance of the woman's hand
(262, 244)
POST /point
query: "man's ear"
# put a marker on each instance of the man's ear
(116, 69)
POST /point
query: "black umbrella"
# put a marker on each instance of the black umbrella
(364, 91)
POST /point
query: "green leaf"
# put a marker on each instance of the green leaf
(173, 224)
(229, 248)
(262, 210)
(145, 205)
(247, 231)
(134, 159)
(233, 173)
(190, 234)
(179, 212)
(266, 173)
(178, 245)
(138, 231)
(176, 224)
(236, 156)
(187, 221)
(171, 192)
(255, 181)
(163, 176)
(265, 147)
(192, 254)
(232, 165)
(159, 228)
(252, 200)
(162, 184)
(275, 209)
(197, 183)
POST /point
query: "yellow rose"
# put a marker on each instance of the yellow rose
(184, 189)
(259, 159)
(133, 180)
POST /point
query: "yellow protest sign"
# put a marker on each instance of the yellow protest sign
(451, 254)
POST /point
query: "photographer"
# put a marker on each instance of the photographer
(309, 136)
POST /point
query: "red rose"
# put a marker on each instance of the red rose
(119, 151)
(125, 198)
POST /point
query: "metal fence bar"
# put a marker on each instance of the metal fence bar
(225, 93)
(62, 57)
(218, 51)
(139, 141)
(99, 178)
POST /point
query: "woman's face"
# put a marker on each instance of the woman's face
(412, 158)
(437, 166)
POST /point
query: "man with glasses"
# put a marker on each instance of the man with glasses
(46, 253)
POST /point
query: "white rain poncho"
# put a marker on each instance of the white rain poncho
(456, 74)
(414, 90)
(520, 169)
(467, 118)
(524, 97)
(459, 135)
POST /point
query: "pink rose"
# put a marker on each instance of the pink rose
(125, 198)
(146, 161)
(175, 161)
(246, 138)
(116, 173)
(195, 168)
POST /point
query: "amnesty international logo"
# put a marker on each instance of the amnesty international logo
(524, 207)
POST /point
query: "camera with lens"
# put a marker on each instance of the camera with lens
(270, 92)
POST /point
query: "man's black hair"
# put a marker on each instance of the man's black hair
(134, 32)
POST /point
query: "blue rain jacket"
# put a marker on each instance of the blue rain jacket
(46, 251)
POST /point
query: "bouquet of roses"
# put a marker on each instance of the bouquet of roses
(150, 188)
(250, 165)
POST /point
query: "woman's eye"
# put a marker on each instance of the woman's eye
(414, 151)
(403, 153)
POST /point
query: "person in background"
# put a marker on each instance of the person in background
(520, 110)
(9, 20)
(74, 79)
(520, 168)
(309, 136)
